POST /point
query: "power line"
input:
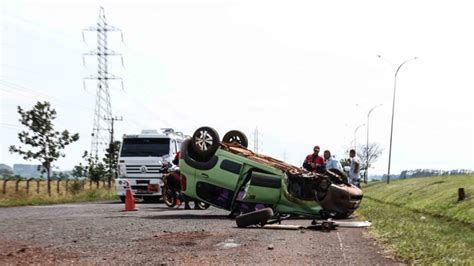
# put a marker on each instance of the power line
(23, 89)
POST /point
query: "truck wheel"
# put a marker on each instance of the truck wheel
(151, 199)
(256, 217)
(204, 143)
(236, 136)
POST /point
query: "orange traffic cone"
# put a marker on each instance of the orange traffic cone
(129, 200)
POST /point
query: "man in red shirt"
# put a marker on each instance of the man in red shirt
(314, 162)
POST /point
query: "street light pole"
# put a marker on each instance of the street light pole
(355, 135)
(393, 107)
(366, 174)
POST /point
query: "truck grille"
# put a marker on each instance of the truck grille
(144, 169)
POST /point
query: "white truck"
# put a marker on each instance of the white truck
(141, 160)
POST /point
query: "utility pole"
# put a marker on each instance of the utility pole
(103, 106)
(112, 168)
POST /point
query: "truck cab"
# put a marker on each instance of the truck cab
(142, 161)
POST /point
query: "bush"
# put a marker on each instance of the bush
(75, 186)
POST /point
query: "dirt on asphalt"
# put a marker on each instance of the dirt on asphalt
(101, 233)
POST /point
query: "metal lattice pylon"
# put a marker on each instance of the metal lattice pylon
(103, 107)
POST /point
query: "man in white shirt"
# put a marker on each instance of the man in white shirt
(354, 173)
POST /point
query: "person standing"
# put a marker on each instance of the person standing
(314, 162)
(354, 173)
(331, 163)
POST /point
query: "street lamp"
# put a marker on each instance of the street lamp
(355, 135)
(393, 106)
(366, 174)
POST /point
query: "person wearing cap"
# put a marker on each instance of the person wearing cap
(314, 162)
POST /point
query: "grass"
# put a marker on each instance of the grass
(22, 198)
(420, 219)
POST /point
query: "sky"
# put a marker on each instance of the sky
(304, 73)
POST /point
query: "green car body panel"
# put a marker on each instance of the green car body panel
(260, 181)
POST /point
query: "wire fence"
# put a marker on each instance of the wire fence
(40, 186)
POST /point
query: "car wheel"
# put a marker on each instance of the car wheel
(253, 218)
(204, 143)
(235, 136)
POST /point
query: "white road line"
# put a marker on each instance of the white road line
(342, 248)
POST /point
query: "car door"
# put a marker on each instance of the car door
(262, 187)
(217, 185)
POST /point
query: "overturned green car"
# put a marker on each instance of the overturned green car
(228, 175)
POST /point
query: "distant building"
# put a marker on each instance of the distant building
(27, 170)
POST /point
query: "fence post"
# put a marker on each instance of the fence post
(38, 186)
(461, 194)
(57, 185)
(5, 185)
(28, 185)
(16, 184)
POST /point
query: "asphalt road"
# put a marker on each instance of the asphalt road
(155, 234)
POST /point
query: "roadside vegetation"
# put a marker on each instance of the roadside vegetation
(421, 220)
(77, 192)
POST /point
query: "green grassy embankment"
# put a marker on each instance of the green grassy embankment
(421, 221)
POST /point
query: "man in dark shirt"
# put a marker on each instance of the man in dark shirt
(314, 162)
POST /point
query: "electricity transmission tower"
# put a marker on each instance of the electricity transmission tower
(103, 106)
(256, 142)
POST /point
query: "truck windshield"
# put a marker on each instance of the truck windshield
(144, 147)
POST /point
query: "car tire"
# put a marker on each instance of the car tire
(204, 143)
(253, 218)
(236, 136)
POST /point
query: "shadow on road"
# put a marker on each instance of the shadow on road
(188, 217)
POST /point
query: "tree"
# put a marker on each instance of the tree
(95, 169)
(111, 161)
(368, 155)
(79, 171)
(46, 143)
